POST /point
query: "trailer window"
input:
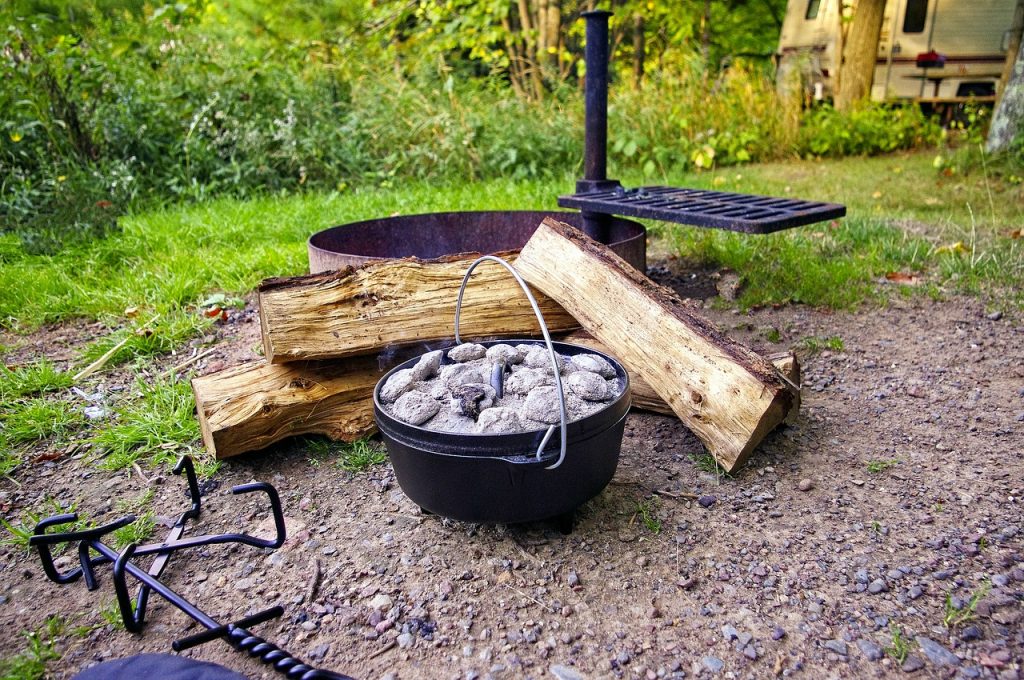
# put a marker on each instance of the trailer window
(812, 9)
(914, 17)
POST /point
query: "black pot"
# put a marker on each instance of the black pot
(497, 478)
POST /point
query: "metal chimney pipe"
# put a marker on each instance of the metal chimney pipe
(595, 149)
(595, 152)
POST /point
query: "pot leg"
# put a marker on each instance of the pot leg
(564, 522)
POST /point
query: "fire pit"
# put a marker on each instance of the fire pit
(433, 235)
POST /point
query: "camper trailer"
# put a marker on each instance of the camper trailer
(934, 52)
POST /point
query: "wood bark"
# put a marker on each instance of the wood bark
(860, 49)
(394, 303)
(253, 405)
(729, 396)
(1008, 116)
(639, 51)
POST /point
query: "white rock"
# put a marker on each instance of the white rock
(397, 385)
(501, 419)
(506, 353)
(381, 602)
(594, 364)
(542, 405)
(426, 368)
(415, 408)
(539, 357)
(589, 386)
(454, 375)
(525, 380)
(467, 351)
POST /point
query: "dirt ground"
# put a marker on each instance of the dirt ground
(889, 506)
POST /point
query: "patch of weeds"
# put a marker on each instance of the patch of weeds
(158, 421)
(111, 615)
(900, 646)
(32, 379)
(954, 616)
(136, 532)
(150, 337)
(813, 344)
(938, 507)
(876, 527)
(39, 419)
(134, 505)
(876, 466)
(355, 457)
(773, 335)
(705, 462)
(30, 664)
(23, 530)
(647, 510)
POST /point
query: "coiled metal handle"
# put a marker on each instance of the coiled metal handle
(547, 339)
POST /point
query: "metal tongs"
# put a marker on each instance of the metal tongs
(92, 552)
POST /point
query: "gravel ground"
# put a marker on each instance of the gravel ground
(891, 504)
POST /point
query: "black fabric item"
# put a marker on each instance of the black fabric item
(158, 667)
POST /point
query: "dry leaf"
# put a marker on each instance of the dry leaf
(903, 278)
(131, 312)
(212, 312)
(877, 194)
(957, 247)
(1015, 233)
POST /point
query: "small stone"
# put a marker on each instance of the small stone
(744, 639)
(750, 652)
(994, 316)
(858, 482)
(319, 651)
(427, 367)
(572, 580)
(713, 664)
(878, 586)
(915, 592)
(503, 352)
(707, 501)
(405, 640)
(970, 633)
(837, 646)
(778, 633)
(593, 363)
(467, 351)
(870, 650)
(500, 419)
(565, 672)
(308, 625)
(912, 664)
(525, 380)
(1000, 580)
(936, 653)
(538, 357)
(623, 658)
(805, 484)
(729, 633)
(381, 602)
(589, 386)
(397, 385)
(415, 408)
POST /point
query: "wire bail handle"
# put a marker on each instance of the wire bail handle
(547, 340)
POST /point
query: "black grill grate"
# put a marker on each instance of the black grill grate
(698, 207)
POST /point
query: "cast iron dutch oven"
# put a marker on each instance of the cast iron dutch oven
(507, 478)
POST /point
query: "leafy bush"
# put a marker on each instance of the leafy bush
(868, 129)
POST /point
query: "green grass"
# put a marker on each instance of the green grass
(136, 532)
(31, 379)
(954, 616)
(355, 457)
(705, 462)
(813, 344)
(171, 260)
(876, 466)
(903, 217)
(39, 419)
(158, 422)
(19, 533)
(899, 646)
(647, 510)
(30, 663)
(147, 337)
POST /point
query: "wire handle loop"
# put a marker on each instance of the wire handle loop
(547, 339)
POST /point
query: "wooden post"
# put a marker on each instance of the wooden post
(729, 396)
